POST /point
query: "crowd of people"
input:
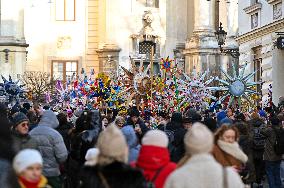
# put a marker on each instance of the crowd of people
(42, 147)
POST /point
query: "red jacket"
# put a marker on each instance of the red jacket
(152, 158)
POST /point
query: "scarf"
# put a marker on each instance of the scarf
(38, 184)
(233, 149)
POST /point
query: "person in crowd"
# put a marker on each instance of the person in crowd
(20, 133)
(187, 123)
(51, 146)
(64, 128)
(111, 169)
(28, 166)
(163, 120)
(105, 121)
(227, 150)
(8, 178)
(226, 121)
(220, 116)
(137, 122)
(246, 143)
(154, 158)
(119, 121)
(230, 113)
(85, 135)
(132, 142)
(33, 119)
(258, 144)
(211, 124)
(176, 146)
(271, 159)
(201, 170)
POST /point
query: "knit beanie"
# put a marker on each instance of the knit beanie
(18, 118)
(155, 138)
(112, 145)
(226, 121)
(26, 158)
(198, 139)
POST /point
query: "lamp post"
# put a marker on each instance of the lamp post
(221, 38)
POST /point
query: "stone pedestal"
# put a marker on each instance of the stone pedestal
(108, 59)
(202, 50)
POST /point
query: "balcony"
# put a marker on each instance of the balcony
(273, 1)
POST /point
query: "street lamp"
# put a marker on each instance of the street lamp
(221, 38)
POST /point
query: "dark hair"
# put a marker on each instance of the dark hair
(32, 117)
(211, 124)
(62, 118)
(242, 127)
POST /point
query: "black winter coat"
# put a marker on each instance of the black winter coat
(116, 174)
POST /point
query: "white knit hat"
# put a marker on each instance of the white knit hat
(92, 156)
(155, 138)
(26, 158)
(198, 139)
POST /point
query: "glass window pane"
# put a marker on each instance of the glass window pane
(70, 9)
(68, 66)
(74, 66)
(59, 9)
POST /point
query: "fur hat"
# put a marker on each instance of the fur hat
(112, 146)
(26, 158)
(18, 118)
(198, 139)
(155, 138)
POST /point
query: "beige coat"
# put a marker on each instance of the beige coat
(203, 171)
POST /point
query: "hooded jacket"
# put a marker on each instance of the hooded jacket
(50, 144)
(132, 143)
(154, 158)
(203, 171)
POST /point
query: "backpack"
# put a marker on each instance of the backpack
(258, 139)
(279, 141)
(151, 183)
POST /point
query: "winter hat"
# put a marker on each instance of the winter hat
(18, 118)
(198, 139)
(134, 112)
(27, 105)
(226, 121)
(26, 158)
(112, 146)
(92, 156)
(262, 113)
(176, 117)
(155, 138)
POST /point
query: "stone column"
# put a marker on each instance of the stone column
(232, 24)
(201, 50)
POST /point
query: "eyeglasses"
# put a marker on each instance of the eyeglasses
(25, 125)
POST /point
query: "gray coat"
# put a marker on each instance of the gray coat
(50, 144)
(8, 178)
(21, 142)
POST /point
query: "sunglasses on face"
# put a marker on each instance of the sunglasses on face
(24, 125)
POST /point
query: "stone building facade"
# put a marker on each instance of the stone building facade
(257, 43)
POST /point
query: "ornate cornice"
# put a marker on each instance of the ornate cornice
(270, 28)
(253, 8)
(273, 1)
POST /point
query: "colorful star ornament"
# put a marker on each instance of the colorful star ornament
(167, 64)
(136, 83)
(196, 91)
(237, 87)
(11, 90)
